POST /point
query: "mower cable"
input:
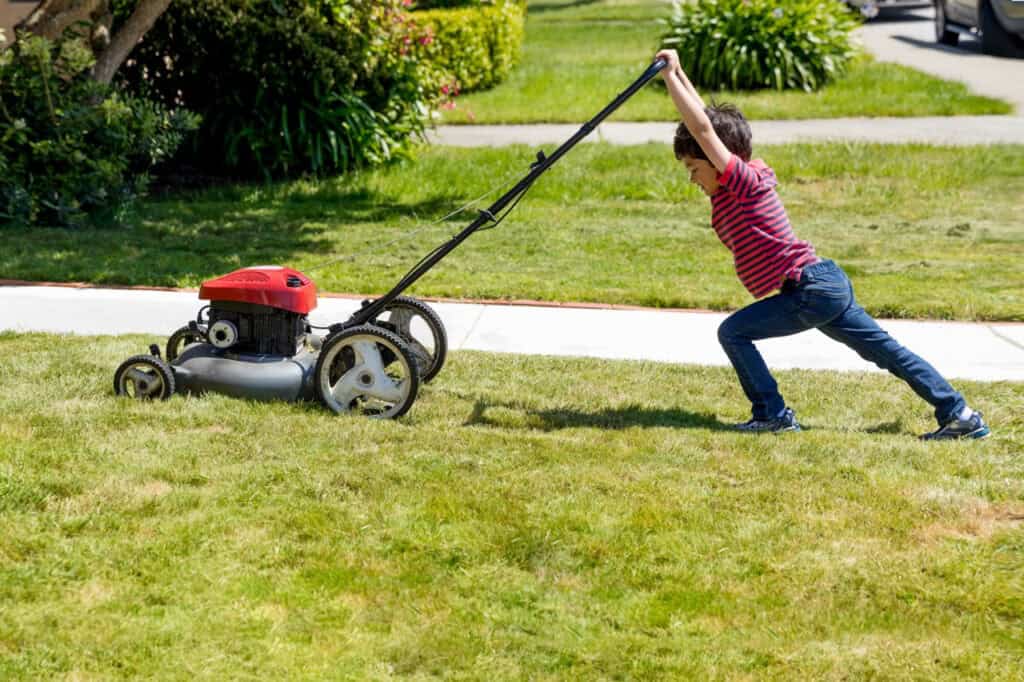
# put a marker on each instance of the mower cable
(495, 221)
(409, 235)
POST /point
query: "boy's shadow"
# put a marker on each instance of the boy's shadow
(628, 416)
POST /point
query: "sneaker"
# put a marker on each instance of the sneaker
(972, 427)
(784, 422)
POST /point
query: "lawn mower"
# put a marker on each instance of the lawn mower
(254, 339)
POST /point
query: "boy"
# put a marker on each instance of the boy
(747, 215)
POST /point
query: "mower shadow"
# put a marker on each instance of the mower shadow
(191, 236)
(626, 417)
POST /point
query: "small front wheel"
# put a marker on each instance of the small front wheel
(182, 339)
(144, 377)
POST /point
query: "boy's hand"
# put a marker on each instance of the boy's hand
(691, 108)
(672, 58)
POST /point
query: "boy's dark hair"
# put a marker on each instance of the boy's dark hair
(730, 126)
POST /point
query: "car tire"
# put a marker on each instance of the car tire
(995, 39)
(942, 33)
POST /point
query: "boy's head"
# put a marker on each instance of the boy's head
(730, 126)
(734, 132)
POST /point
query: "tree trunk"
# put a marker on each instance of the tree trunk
(53, 17)
(127, 37)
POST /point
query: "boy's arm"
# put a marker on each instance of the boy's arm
(691, 107)
(685, 80)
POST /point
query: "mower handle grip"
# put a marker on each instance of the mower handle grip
(655, 67)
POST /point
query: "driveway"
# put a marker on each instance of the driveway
(908, 38)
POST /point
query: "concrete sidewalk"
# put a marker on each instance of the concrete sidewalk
(988, 352)
(941, 130)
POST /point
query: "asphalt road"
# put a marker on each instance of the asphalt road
(908, 37)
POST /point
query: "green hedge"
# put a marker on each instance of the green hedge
(477, 47)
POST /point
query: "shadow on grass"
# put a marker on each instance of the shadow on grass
(894, 427)
(628, 416)
(183, 239)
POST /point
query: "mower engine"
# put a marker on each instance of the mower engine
(254, 341)
(259, 310)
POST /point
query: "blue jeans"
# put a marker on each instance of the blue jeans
(823, 299)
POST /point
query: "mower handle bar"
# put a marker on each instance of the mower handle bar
(372, 309)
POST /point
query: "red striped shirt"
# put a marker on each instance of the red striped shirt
(751, 221)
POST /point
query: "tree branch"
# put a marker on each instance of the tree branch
(52, 17)
(127, 37)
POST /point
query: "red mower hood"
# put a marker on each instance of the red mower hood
(269, 285)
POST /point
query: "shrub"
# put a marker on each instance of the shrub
(749, 44)
(72, 149)
(288, 87)
(477, 47)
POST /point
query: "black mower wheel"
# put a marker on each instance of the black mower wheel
(421, 329)
(144, 377)
(181, 339)
(367, 370)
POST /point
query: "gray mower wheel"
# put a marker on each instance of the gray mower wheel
(366, 370)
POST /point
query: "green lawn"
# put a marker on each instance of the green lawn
(578, 55)
(924, 232)
(531, 518)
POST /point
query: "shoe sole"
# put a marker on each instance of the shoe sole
(788, 429)
(983, 432)
(977, 434)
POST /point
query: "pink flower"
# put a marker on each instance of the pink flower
(426, 40)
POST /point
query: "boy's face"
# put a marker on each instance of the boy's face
(702, 173)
